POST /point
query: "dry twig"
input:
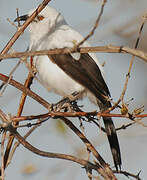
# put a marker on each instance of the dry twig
(2, 156)
(94, 27)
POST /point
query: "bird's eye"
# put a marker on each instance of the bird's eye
(40, 18)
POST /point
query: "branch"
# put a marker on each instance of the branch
(17, 144)
(2, 155)
(25, 90)
(127, 174)
(72, 114)
(89, 146)
(82, 162)
(27, 84)
(96, 49)
(104, 168)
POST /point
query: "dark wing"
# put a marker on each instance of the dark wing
(85, 71)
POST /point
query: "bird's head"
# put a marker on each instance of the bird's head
(45, 22)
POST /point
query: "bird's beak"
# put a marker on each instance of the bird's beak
(21, 18)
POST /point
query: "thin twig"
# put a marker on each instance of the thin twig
(4, 85)
(2, 156)
(95, 26)
(3, 117)
(125, 126)
(39, 122)
(17, 17)
(129, 71)
(128, 174)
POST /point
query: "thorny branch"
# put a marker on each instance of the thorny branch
(48, 106)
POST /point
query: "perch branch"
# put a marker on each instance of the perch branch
(97, 49)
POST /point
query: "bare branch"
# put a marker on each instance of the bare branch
(27, 84)
(25, 90)
(89, 146)
(2, 156)
(73, 114)
(17, 144)
(97, 49)
(128, 174)
(59, 156)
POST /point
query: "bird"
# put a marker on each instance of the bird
(65, 74)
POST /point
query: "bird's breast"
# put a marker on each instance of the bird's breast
(54, 78)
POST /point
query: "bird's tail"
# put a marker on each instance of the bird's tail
(111, 134)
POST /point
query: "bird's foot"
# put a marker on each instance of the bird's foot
(63, 105)
(66, 103)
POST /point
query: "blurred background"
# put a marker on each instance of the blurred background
(119, 25)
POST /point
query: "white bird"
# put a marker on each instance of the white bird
(67, 73)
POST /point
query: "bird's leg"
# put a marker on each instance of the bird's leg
(66, 102)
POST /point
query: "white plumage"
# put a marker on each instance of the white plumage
(50, 33)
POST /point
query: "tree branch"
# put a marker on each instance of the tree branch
(82, 162)
(25, 90)
(96, 49)
(73, 114)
